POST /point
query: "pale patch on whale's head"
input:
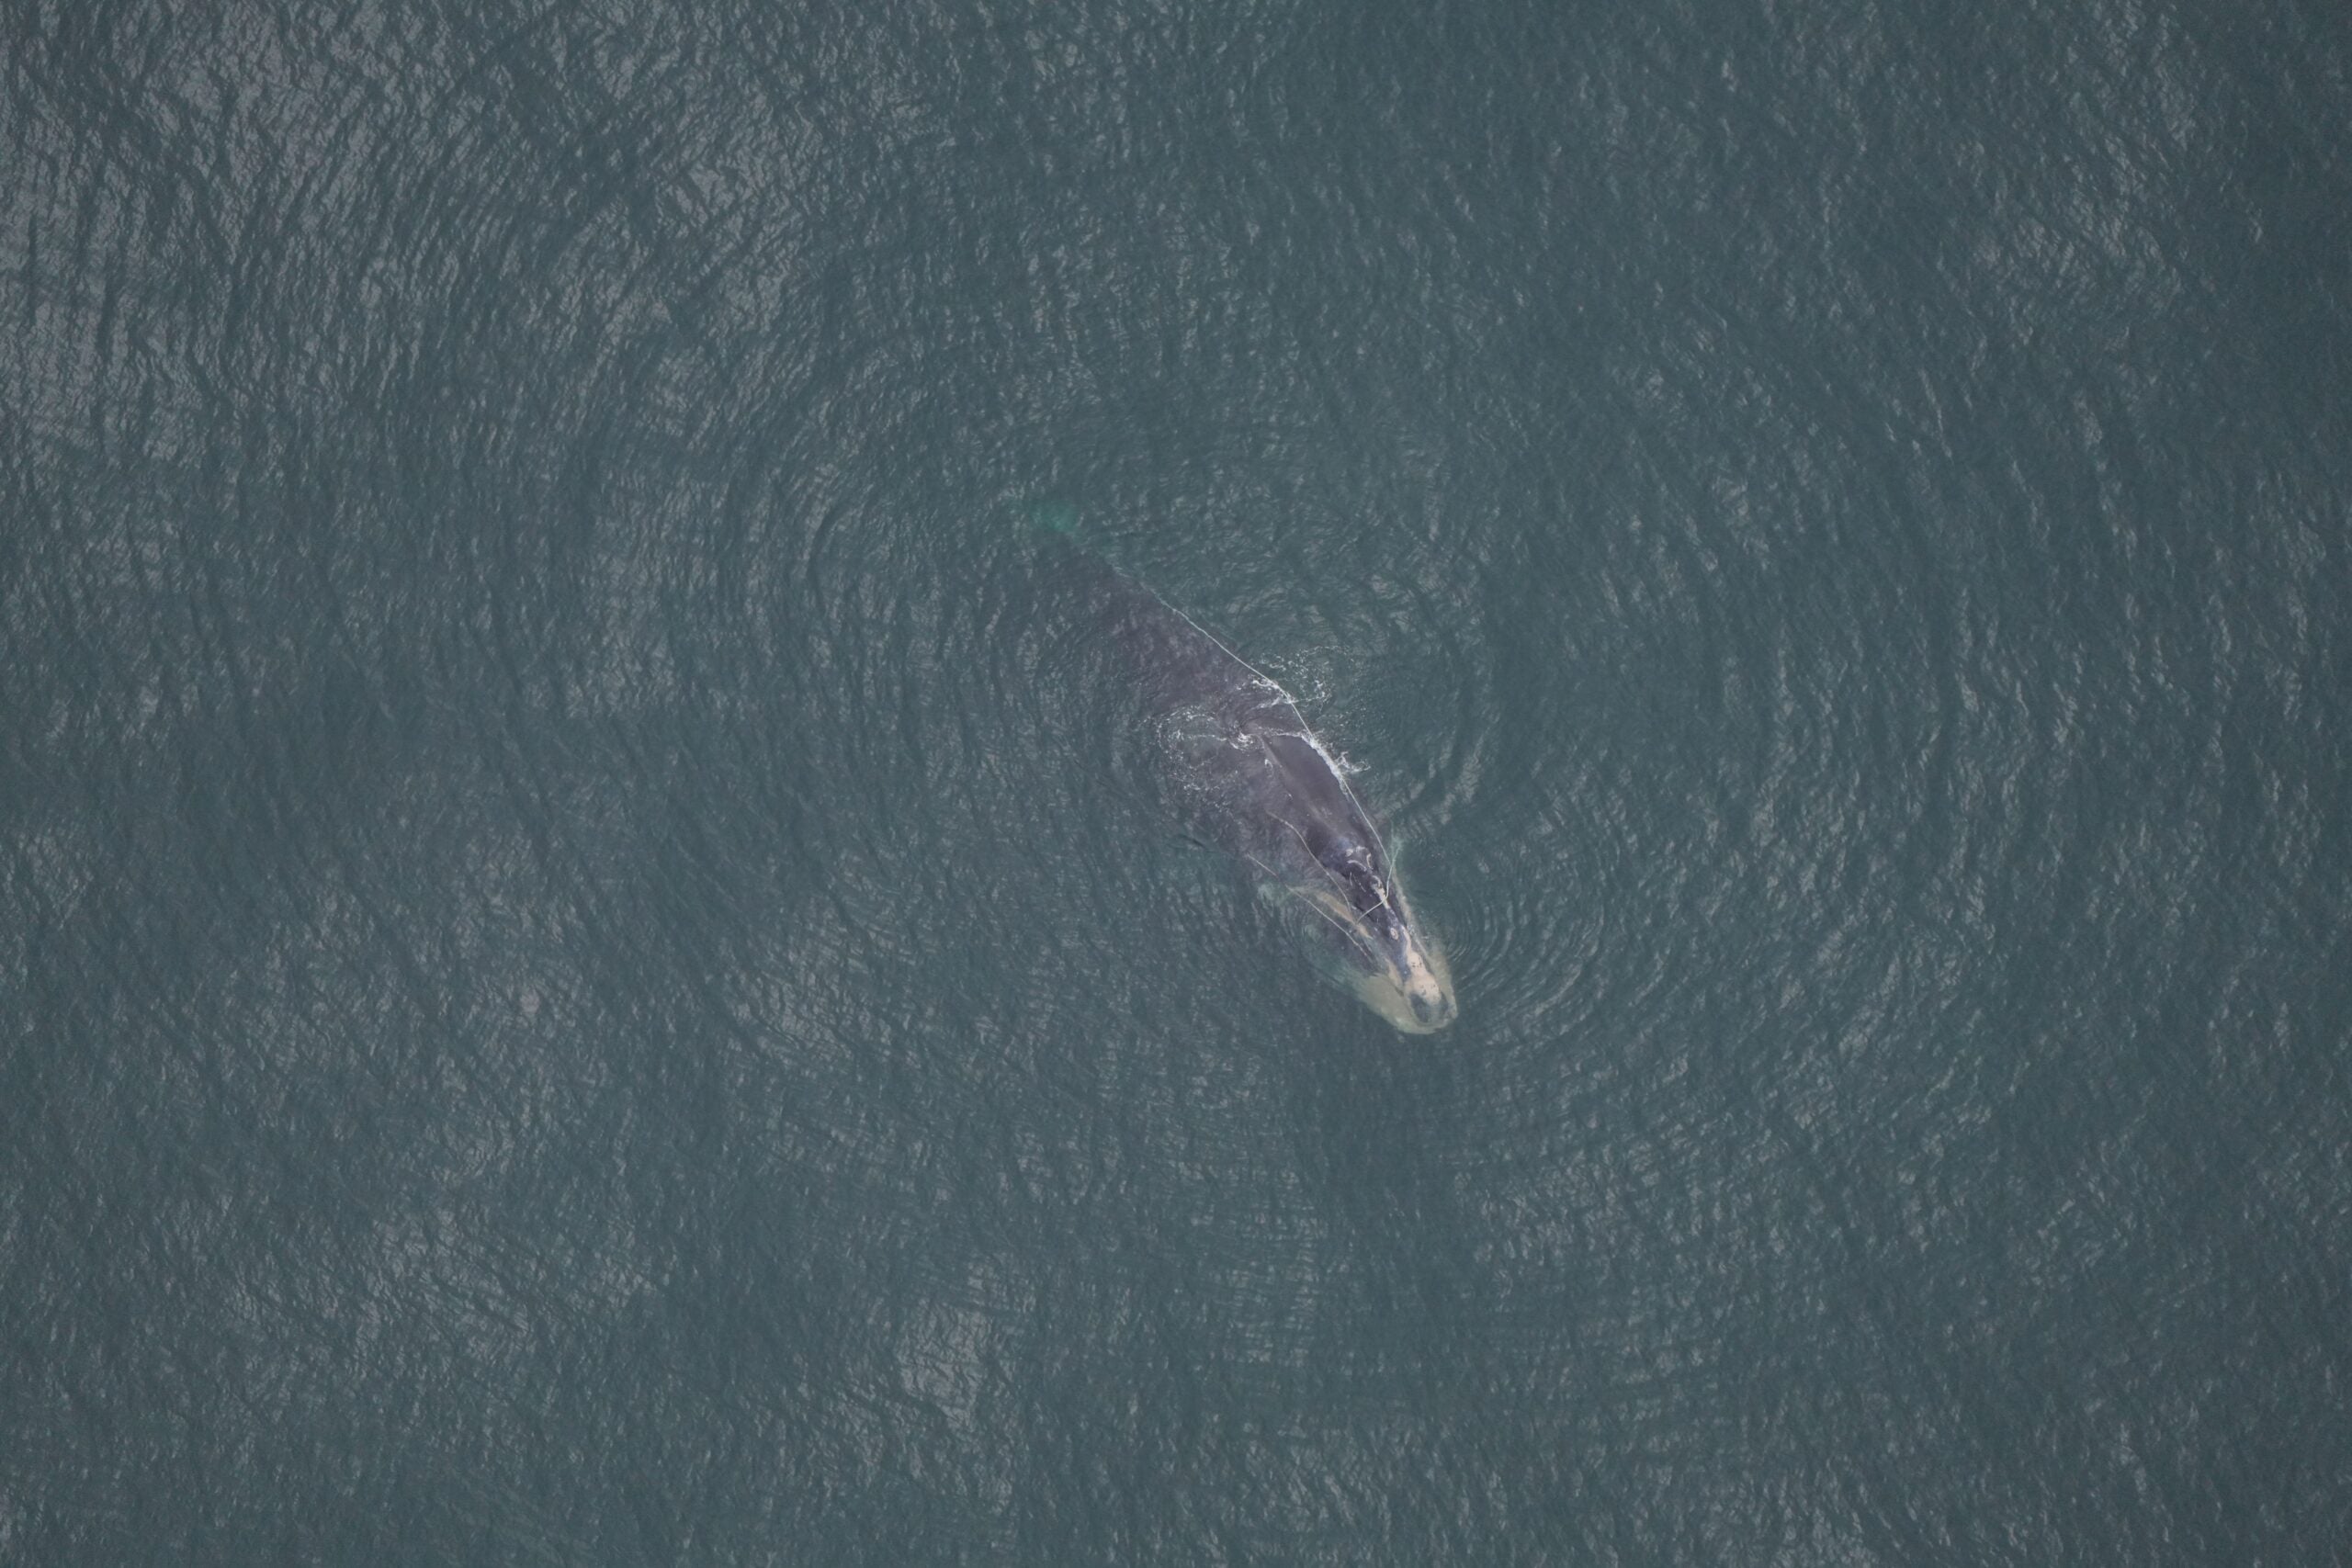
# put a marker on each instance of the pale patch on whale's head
(1393, 964)
(1411, 987)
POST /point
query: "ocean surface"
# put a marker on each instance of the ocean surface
(587, 974)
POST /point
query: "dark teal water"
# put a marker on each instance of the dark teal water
(584, 976)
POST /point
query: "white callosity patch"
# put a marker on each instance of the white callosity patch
(1415, 994)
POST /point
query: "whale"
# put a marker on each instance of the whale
(1246, 772)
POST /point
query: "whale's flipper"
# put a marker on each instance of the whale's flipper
(1055, 517)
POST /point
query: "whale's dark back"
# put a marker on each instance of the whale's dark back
(1250, 773)
(1174, 663)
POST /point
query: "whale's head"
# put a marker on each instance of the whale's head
(1381, 952)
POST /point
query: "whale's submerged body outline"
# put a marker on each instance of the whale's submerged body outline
(1252, 775)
